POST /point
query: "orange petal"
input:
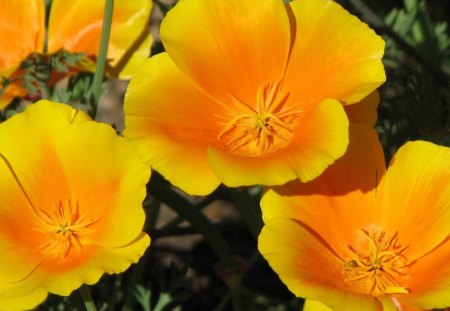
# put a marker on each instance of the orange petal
(77, 32)
(321, 138)
(13, 226)
(102, 260)
(22, 29)
(430, 279)
(106, 178)
(365, 111)
(416, 190)
(228, 46)
(307, 266)
(341, 201)
(335, 55)
(171, 122)
(39, 124)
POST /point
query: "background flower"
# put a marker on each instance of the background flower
(71, 205)
(74, 26)
(253, 86)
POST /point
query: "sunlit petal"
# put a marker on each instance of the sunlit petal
(228, 47)
(422, 201)
(172, 122)
(335, 55)
(22, 29)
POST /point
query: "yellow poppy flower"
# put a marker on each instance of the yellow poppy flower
(71, 207)
(250, 92)
(360, 238)
(76, 27)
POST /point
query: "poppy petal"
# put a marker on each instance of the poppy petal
(314, 305)
(335, 55)
(22, 28)
(38, 125)
(233, 47)
(116, 175)
(338, 204)
(365, 111)
(434, 268)
(171, 122)
(24, 302)
(68, 276)
(416, 189)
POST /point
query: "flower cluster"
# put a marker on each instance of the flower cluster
(247, 92)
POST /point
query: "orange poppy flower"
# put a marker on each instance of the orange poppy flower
(250, 92)
(355, 244)
(74, 26)
(71, 207)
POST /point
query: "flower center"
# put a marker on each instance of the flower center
(64, 228)
(380, 266)
(263, 129)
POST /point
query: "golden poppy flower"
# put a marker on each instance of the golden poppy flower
(71, 207)
(360, 238)
(250, 92)
(76, 27)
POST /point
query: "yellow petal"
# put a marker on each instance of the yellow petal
(171, 122)
(335, 55)
(416, 190)
(308, 266)
(22, 29)
(365, 111)
(314, 305)
(24, 302)
(106, 177)
(228, 46)
(77, 32)
(318, 141)
(341, 201)
(133, 60)
(36, 127)
(103, 260)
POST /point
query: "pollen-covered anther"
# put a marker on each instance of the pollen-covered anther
(260, 129)
(64, 227)
(381, 266)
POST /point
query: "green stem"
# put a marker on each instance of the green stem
(103, 50)
(249, 210)
(87, 298)
(198, 220)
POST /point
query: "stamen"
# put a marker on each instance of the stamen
(64, 228)
(261, 130)
(381, 267)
